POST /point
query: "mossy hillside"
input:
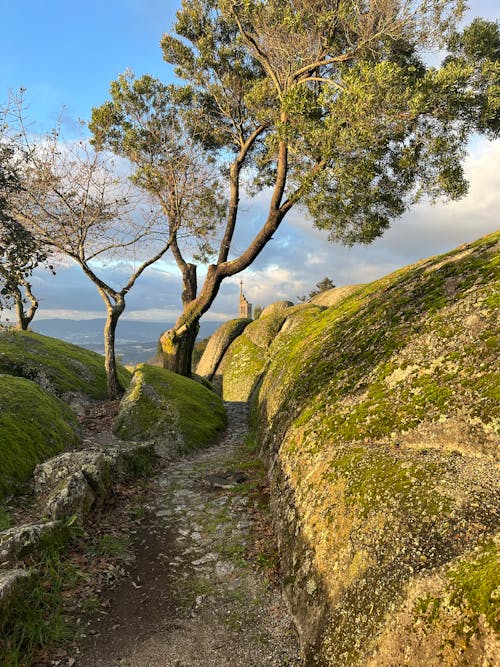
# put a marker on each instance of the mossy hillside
(370, 496)
(33, 427)
(176, 412)
(395, 353)
(241, 369)
(57, 366)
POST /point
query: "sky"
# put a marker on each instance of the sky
(67, 53)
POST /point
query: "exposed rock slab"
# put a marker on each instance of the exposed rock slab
(29, 538)
(380, 419)
(218, 344)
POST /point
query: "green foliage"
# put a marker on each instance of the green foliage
(58, 366)
(321, 286)
(142, 123)
(169, 408)
(117, 546)
(328, 104)
(33, 427)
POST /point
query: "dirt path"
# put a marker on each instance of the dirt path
(191, 596)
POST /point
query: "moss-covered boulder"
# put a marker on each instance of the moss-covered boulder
(33, 427)
(380, 419)
(177, 413)
(58, 367)
(241, 368)
(217, 346)
(275, 307)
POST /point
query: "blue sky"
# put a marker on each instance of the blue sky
(67, 53)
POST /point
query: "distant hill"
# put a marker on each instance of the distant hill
(136, 340)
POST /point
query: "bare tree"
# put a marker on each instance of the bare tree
(73, 200)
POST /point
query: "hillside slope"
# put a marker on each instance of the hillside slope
(379, 416)
(61, 368)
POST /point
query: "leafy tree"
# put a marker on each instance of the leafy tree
(141, 123)
(326, 104)
(20, 253)
(321, 286)
(73, 201)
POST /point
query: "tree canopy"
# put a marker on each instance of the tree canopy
(20, 252)
(326, 104)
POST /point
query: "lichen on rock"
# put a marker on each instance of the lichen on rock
(218, 344)
(379, 417)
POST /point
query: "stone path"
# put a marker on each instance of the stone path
(191, 597)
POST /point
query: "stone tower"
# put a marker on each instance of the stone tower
(245, 307)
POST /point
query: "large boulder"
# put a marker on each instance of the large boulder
(13, 587)
(379, 417)
(176, 413)
(33, 427)
(218, 344)
(60, 368)
(92, 464)
(242, 366)
(74, 483)
(240, 369)
(275, 307)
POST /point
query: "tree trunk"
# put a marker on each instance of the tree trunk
(177, 346)
(24, 319)
(114, 388)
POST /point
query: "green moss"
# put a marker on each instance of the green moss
(241, 369)
(475, 584)
(163, 406)
(33, 427)
(377, 480)
(57, 366)
(263, 331)
(341, 355)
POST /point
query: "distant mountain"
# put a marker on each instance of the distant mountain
(136, 341)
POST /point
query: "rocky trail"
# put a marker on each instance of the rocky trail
(193, 589)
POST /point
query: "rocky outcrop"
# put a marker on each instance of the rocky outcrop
(275, 307)
(30, 539)
(241, 368)
(174, 412)
(13, 584)
(75, 483)
(379, 417)
(217, 346)
(33, 426)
